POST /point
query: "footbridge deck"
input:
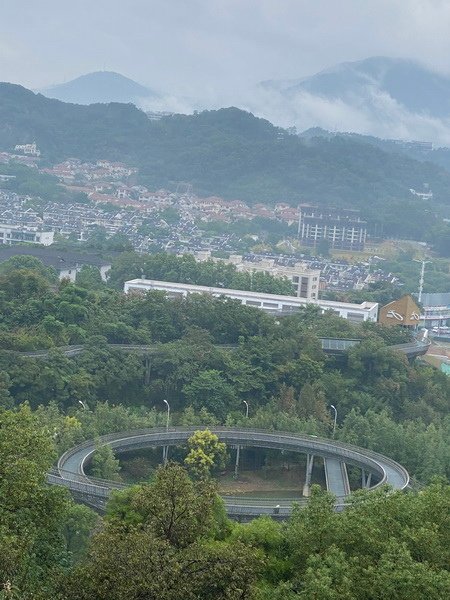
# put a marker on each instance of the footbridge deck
(336, 477)
(71, 465)
(329, 346)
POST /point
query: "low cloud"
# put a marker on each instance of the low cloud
(376, 113)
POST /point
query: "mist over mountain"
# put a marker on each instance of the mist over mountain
(410, 84)
(232, 153)
(379, 96)
(385, 97)
(100, 87)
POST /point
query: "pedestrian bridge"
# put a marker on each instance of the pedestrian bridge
(70, 471)
(335, 346)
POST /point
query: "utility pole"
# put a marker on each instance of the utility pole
(422, 275)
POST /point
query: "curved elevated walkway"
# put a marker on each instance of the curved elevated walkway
(71, 465)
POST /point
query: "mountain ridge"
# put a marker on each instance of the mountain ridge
(406, 81)
(380, 96)
(99, 87)
(231, 153)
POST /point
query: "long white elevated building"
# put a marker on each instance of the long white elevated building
(271, 303)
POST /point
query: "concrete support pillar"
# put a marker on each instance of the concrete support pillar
(236, 466)
(366, 479)
(308, 473)
(148, 368)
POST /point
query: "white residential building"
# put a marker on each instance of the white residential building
(342, 228)
(304, 281)
(29, 149)
(20, 234)
(436, 310)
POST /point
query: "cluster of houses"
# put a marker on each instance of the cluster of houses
(115, 183)
(27, 160)
(116, 202)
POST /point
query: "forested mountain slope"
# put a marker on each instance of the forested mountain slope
(227, 152)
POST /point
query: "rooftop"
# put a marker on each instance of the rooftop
(52, 257)
(257, 295)
(438, 299)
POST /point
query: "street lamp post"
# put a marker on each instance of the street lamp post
(166, 448)
(335, 419)
(246, 408)
(83, 404)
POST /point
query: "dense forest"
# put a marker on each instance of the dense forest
(170, 538)
(439, 155)
(277, 366)
(227, 152)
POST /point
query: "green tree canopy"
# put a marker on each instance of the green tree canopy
(205, 453)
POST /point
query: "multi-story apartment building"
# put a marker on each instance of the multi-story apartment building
(344, 229)
(305, 281)
(436, 310)
(20, 234)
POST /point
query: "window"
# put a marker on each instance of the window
(355, 317)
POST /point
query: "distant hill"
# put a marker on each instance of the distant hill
(101, 86)
(415, 87)
(379, 95)
(416, 150)
(231, 153)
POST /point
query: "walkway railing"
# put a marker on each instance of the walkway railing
(76, 480)
(329, 345)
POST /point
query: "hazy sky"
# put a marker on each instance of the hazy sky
(209, 46)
